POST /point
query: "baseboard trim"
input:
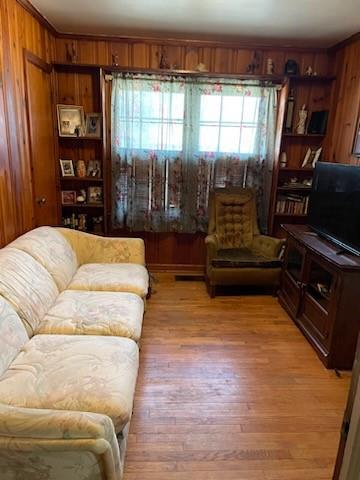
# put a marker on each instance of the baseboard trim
(186, 268)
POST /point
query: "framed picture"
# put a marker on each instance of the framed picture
(94, 169)
(94, 195)
(93, 125)
(311, 157)
(71, 121)
(356, 147)
(68, 197)
(67, 168)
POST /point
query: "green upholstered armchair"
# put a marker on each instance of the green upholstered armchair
(237, 254)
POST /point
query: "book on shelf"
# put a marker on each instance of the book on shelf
(292, 204)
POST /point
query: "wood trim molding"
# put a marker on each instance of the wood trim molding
(29, 7)
(165, 40)
(185, 268)
(344, 43)
(191, 42)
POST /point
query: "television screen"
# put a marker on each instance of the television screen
(334, 206)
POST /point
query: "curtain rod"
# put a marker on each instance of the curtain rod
(202, 79)
(276, 79)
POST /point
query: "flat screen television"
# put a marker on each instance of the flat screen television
(334, 205)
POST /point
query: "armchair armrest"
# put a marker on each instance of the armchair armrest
(96, 249)
(47, 431)
(267, 246)
(212, 245)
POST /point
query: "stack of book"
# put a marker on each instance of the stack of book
(292, 204)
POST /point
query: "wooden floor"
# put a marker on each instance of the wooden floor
(229, 389)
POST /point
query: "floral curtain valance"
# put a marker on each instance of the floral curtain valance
(174, 139)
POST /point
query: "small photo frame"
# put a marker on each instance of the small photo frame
(94, 169)
(94, 195)
(93, 125)
(67, 168)
(68, 197)
(311, 157)
(71, 120)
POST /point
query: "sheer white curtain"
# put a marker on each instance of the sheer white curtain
(174, 139)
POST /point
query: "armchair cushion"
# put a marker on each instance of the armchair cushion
(112, 277)
(267, 246)
(76, 373)
(118, 314)
(243, 258)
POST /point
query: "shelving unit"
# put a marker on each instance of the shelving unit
(81, 85)
(315, 93)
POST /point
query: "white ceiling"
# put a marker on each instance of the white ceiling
(287, 22)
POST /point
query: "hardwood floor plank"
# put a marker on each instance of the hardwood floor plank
(229, 389)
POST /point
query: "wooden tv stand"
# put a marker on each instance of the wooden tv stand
(320, 289)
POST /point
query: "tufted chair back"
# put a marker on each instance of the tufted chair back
(232, 216)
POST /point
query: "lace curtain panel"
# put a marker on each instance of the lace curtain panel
(175, 139)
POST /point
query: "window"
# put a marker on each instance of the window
(175, 138)
(228, 123)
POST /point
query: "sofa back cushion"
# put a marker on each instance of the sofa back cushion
(27, 286)
(52, 250)
(13, 335)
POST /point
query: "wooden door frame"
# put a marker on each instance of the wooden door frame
(31, 58)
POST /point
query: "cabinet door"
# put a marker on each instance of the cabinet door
(316, 315)
(292, 276)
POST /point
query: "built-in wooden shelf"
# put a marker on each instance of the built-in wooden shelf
(81, 138)
(304, 135)
(83, 205)
(296, 169)
(298, 188)
(311, 78)
(300, 215)
(82, 179)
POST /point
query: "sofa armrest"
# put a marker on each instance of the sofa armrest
(267, 246)
(96, 249)
(212, 245)
(43, 430)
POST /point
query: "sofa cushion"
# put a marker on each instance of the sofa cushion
(118, 314)
(52, 250)
(13, 335)
(27, 286)
(111, 277)
(80, 373)
(243, 258)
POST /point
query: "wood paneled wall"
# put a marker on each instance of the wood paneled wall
(186, 55)
(19, 31)
(345, 108)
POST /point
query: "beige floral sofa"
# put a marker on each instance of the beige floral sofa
(71, 311)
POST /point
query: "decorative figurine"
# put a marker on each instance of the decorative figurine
(255, 63)
(115, 59)
(270, 66)
(309, 70)
(163, 62)
(300, 127)
(283, 160)
(201, 67)
(71, 55)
